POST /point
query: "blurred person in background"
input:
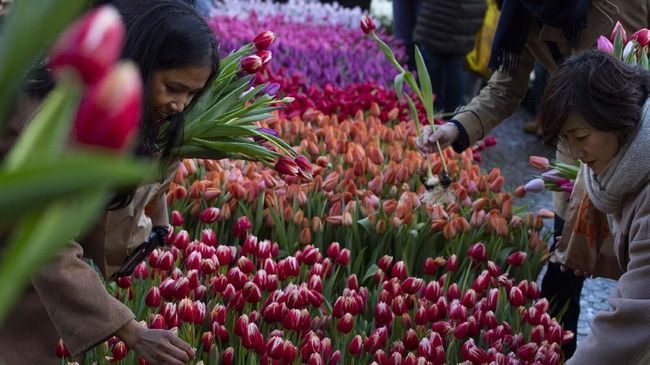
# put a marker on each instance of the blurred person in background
(445, 31)
(405, 13)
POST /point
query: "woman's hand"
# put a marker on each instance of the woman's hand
(155, 346)
(576, 272)
(445, 134)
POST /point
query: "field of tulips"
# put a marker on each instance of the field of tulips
(346, 254)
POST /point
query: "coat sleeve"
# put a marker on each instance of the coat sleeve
(496, 101)
(82, 311)
(621, 336)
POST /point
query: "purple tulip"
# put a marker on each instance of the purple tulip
(534, 186)
(268, 131)
(605, 45)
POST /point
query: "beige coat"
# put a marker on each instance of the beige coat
(503, 94)
(622, 336)
(67, 299)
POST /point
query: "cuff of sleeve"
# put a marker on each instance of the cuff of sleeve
(462, 142)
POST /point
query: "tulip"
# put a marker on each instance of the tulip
(123, 282)
(287, 166)
(520, 191)
(109, 113)
(90, 46)
(333, 250)
(412, 285)
(383, 314)
(516, 258)
(157, 322)
(153, 297)
(177, 218)
(618, 28)
(263, 40)
(181, 240)
(516, 297)
(305, 167)
(209, 215)
(452, 263)
(61, 351)
(534, 186)
(461, 330)
(344, 257)
(385, 262)
(367, 24)
(208, 237)
(241, 227)
(477, 252)
(642, 36)
(344, 325)
(399, 270)
(119, 351)
(228, 356)
(628, 50)
(251, 292)
(356, 345)
(538, 162)
(251, 63)
(186, 310)
(605, 45)
(527, 351)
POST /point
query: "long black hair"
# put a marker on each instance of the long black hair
(160, 35)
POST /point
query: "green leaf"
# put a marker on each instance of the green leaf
(414, 113)
(425, 84)
(370, 272)
(32, 186)
(644, 58)
(29, 27)
(399, 85)
(618, 45)
(39, 236)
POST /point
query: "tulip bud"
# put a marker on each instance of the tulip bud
(478, 252)
(385, 262)
(251, 64)
(367, 24)
(356, 345)
(618, 28)
(90, 46)
(119, 351)
(177, 218)
(452, 263)
(209, 215)
(153, 297)
(516, 259)
(123, 282)
(399, 270)
(228, 356)
(241, 227)
(516, 297)
(109, 112)
(182, 240)
(344, 325)
(263, 40)
(605, 45)
(527, 351)
(538, 162)
(333, 250)
(208, 237)
(383, 314)
(344, 257)
(61, 351)
(642, 36)
(534, 186)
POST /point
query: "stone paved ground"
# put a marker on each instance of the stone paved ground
(511, 155)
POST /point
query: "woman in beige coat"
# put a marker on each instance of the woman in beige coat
(599, 109)
(177, 55)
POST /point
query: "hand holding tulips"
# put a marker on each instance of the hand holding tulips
(154, 345)
(445, 135)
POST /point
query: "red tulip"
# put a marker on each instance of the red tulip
(228, 356)
(453, 292)
(618, 28)
(251, 64)
(385, 262)
(157, 322)
(399, 270)
(383, 314)
(461, 330)
(251, 292)
(91, 46)
(344, 257)
(412, 285)
(333, 250)
(181, 240)
(61, 351)
(642, 36)
(123, 282)
(181, 288)
(452, 263)
(305, 167)
(353, 282)
(209, 215)
(527, 351)
(477, 252)
(153, 297)
(263, 40)
(538, 162)
(290, 352)
(109, 113)
(225, 255)
(516, 297)
(275, 347)
(335, 358)
(516, 259)
(241, 227)
(356, 345)
(177, 218)
(208, 237)
(119, 351)
(186, 310)
(377, 339)
(410, 339)
(367, 24)
(286, 165)
(154, 258)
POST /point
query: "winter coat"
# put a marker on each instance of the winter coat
(67, 299)
(449, 26)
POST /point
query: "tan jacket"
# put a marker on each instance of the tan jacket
(503, 94)
(622, 336)
(67, 299)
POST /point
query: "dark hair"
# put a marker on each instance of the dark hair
(162, 35)
(597, 87)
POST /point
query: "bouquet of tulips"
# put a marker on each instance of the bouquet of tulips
(222, 123)
(633, 50)
(556, 176)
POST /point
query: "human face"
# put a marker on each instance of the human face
(173, 89)
(591, 146)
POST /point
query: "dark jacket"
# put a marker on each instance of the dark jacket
(449, 26)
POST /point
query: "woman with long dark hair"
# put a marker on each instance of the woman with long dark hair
(597, 107)
(177, 55)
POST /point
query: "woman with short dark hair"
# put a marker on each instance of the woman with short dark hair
(598, 108)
